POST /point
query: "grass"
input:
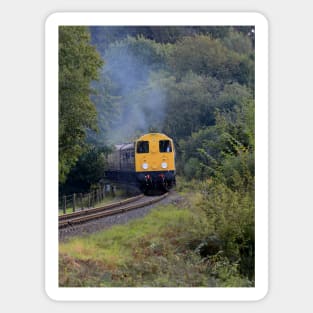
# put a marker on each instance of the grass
(157, 250)
(204, 241)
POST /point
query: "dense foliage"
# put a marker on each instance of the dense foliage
(172, 86)
(78, 66)
(196, 84)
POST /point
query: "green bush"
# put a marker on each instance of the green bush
(226, 274)
(231, 214)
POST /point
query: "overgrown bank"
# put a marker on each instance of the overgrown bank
(173, 246)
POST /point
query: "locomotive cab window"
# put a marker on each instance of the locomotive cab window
(143, 147)
(165, 146)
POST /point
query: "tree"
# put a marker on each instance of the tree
(129, 91)
(78, 66)
(225, 149)
(206, 56)
(238, 42)
(189, 104)
(87, 172)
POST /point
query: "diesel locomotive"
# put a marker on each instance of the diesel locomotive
(148, 163)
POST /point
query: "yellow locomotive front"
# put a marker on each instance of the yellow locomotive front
(155, 161)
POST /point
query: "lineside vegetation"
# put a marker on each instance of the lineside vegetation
(195, 84)
(173, 246)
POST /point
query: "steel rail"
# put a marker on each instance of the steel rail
(99, 209)
(120, 207)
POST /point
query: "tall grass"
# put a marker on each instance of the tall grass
(206, 240)
(156, 250)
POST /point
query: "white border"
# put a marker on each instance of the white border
(51, 157)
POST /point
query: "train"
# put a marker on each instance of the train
(147, 163)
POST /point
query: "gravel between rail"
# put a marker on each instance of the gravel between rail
(120, 218)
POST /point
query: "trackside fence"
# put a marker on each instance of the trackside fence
(80, 201)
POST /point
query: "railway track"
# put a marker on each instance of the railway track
(83, 216)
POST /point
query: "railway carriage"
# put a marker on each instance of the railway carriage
(148, 163)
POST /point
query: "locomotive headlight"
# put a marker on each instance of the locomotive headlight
(145, 166)
(164, 165)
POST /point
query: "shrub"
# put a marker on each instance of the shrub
(231, 214)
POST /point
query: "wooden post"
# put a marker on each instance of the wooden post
(64, 204)
(112, 191)
(81, 201)
(74, 202)
(89, 200)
